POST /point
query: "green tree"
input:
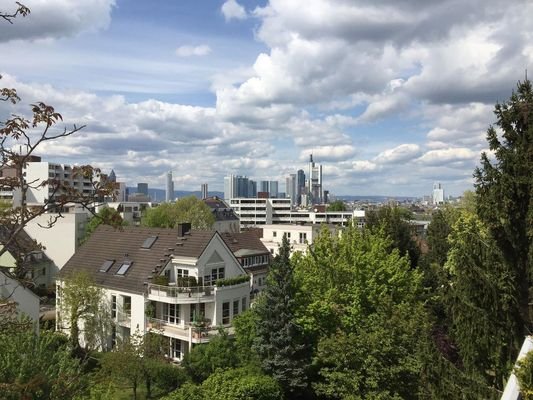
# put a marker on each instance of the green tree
(245, 326)
(38, 366)
(524, 373)
(337, 205)
(81, 300)
(394, 221)
(504, 192)
(280, 343)
(241, 384)
(203, 360)
(359, 304)
(106, 215)
(187, 209)
(481, 302)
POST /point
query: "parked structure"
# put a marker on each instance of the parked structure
(183, 283)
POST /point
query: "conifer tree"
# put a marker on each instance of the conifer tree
(504, 185)
(279, 342)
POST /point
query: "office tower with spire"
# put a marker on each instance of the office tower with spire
(169, 192)
(314, 182)
(205, 192)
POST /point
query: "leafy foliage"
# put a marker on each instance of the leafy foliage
(524, 374)
(337, 205)
(236, 280)
(38, 366)
(105, 215)
(188, 209)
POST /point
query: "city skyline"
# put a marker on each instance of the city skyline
(390, 98)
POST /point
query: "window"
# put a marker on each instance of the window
(197, 311)
(244, 304)
(106, 265)
(235, 308)
(303, 237)
(171, 313)
(175, 348)
(182, 273)
(274, 234)
(113, 306)
(225, 313)
(216, 273)
(126, 305)
(149, 241)
(288, 235)
(124, 268)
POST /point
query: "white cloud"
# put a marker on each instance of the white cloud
(188, 51)
(447, 156)
(329, 153)
(400, 154)
(233, 10)
(53, 19)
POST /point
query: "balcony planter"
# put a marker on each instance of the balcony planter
(232, 281)
(160, 280)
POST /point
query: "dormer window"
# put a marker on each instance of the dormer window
(148, 243)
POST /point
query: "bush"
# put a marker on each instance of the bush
(232, 281)
(524, 373)
(160, 280)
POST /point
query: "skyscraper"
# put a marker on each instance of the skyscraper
(314, 182)
(291, 189)
(169, 192)
(205, 191)
(239, 186)
(274, 190)
(438, 194)
(300, 185)
(142, 188)
(264, 186)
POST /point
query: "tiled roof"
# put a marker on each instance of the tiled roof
(22, 244)
(240, 242)
(107, 243)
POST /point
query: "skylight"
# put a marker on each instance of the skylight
(124, 268)
(149, 242)
(106, 265)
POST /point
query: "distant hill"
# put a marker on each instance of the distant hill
(159, 194)
(374, 199)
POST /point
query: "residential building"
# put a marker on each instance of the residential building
(205, 191)
(169, 189)
(225, 218)
(300, 236)
(130, 211)
(63, 174)
(266, 211)
(172, 280)
(252, 255)
(13, 294)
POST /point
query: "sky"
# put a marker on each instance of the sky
(389, 96)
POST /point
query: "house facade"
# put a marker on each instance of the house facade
(180, 283)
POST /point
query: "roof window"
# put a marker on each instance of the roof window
(106, 265)
(124, 267)
(148, 243)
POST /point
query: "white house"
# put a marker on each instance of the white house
(179, 282)
(300, 236)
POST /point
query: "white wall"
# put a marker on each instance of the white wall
(26, 301)
(63, 239)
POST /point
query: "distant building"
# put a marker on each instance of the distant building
(314, 182)
(300, 185)
(274, 189)
(291, 189)
(169, 192)
(438, 194)
(225, 218)
(264, 186)
(142, 188)
(300, 236)
(205, 191)
(239, 186)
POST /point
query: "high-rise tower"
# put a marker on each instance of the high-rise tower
(314, 182)
(169, 192)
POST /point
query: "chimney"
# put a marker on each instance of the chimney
(184, 228)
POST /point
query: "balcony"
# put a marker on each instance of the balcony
(182, 295)
(186, 332)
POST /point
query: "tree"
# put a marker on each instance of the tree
(337, 205)
(188, 209)
(481, 302)
(29, 133)
(38, 366)
(245, 326)
(280, 343)
(203, 360)
(395, 223)
(105, 215)
(81, 303)
(359, 304)
(504, 192)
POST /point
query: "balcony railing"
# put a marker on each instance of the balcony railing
(195, 293)
(198, 334)
(124, 318)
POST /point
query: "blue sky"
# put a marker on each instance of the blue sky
(389, 95)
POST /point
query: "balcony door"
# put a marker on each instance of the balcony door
(171, 313)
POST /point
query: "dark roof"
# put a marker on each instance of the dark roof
(107, 243)
(244, 241)
(221, 211)
(22, 244)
